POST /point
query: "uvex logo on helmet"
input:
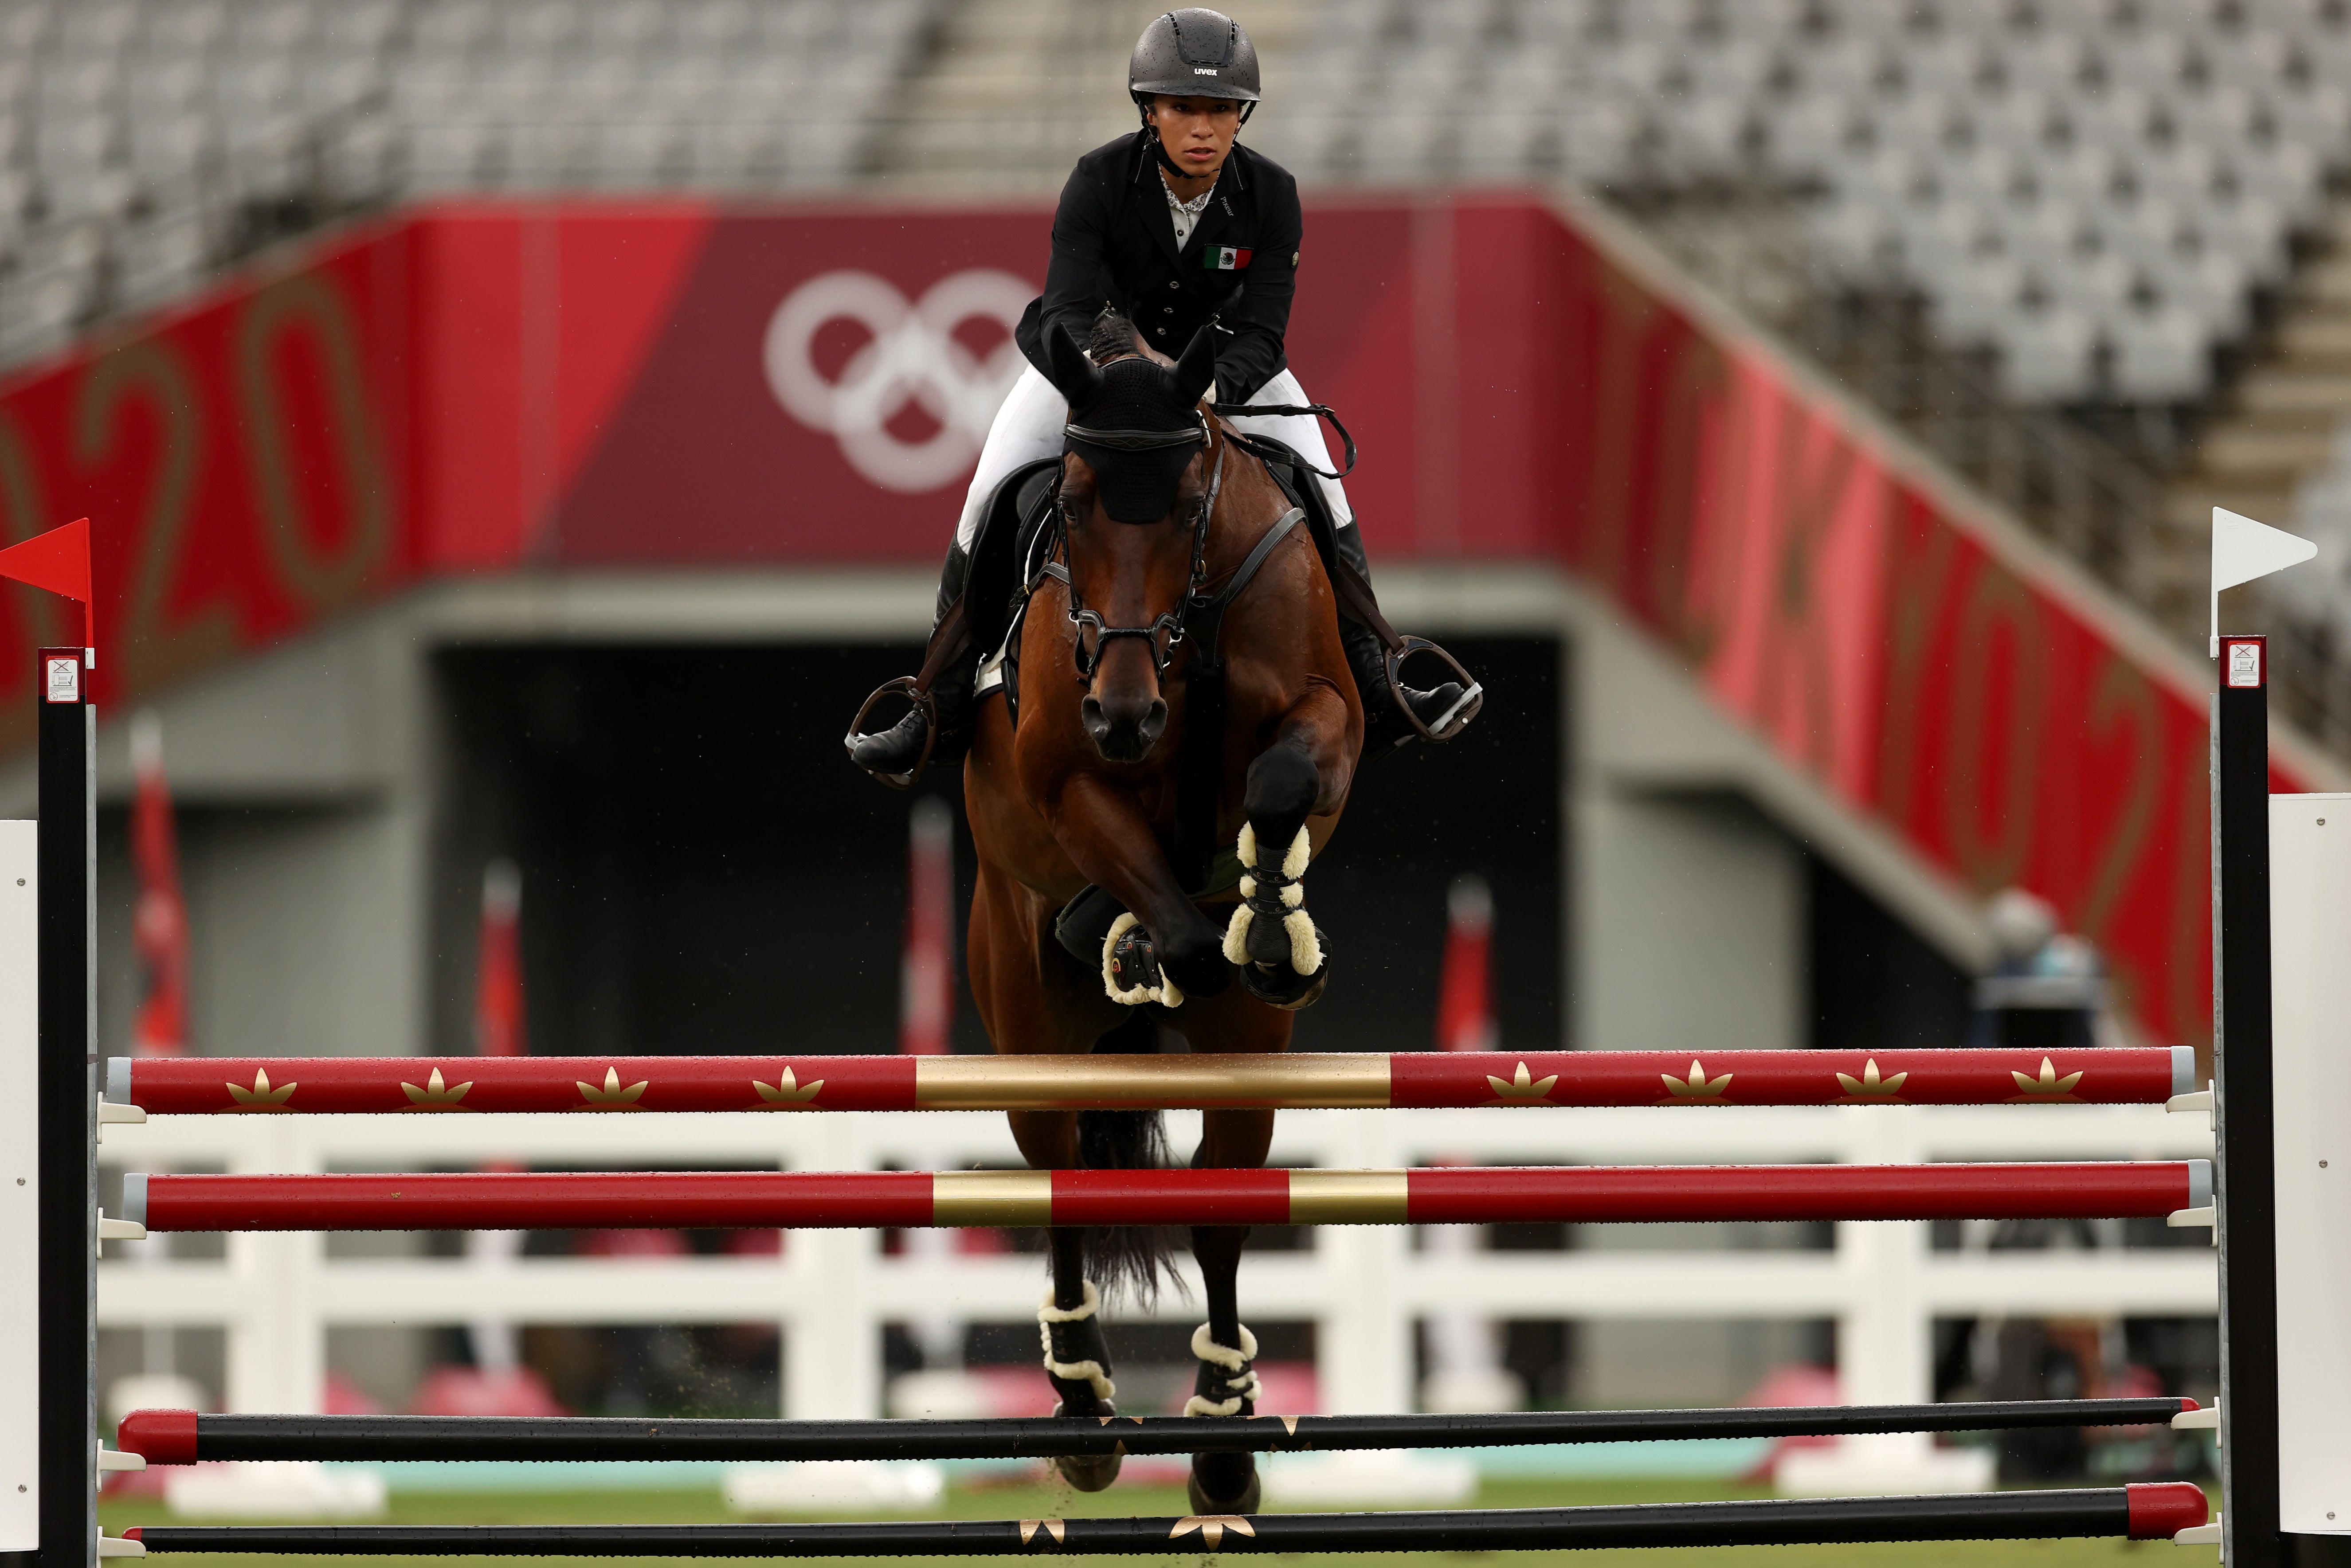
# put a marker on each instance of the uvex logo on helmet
(1181, 47)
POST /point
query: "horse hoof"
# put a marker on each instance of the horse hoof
(1089, 1472)
(1246, 1503)
(1277, 985)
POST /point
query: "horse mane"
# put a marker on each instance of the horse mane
(1114, 338)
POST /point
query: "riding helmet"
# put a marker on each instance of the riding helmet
(1194, 52)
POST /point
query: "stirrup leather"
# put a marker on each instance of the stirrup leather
(950, 641)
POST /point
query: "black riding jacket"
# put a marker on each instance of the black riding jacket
(1115, 244)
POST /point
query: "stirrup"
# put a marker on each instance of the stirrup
(925, 703)
(1453, 720)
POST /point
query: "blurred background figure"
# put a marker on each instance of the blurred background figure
(2046, 991)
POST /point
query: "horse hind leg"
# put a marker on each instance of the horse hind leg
(1077, 1351)
(1077, 1357)
(1225, 1388)
(1283, 957)
(1126, 1256)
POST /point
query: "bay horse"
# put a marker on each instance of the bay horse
(1211, 701)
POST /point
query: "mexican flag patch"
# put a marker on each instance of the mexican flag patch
(1224, 259)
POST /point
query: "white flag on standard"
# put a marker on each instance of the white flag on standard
(2243, 550)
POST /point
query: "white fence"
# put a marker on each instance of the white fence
(1364, 1287)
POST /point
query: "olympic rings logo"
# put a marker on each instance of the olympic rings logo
(912, 358)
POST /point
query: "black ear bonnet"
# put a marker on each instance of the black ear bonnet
(1135, 422)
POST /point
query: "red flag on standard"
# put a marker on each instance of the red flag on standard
(1465, 1014)
(159, 921)
(57, 560)
(927, 971)
(498, 985)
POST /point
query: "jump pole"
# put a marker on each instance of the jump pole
(1308, 1081)
(2148, 1512)
(464, 1200)
(185, 1437)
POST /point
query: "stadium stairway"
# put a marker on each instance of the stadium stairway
(2281, 420)
(1014, 90)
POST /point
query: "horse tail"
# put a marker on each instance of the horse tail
(1120, 1257)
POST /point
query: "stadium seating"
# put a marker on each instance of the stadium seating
(139, 139)
(2094, 187)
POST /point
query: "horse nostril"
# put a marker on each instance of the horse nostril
(1155, 721)
(1090, 714)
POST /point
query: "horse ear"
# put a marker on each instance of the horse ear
(1075, 376)
(1196, 369)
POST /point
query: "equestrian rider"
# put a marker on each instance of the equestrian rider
(1177, 227)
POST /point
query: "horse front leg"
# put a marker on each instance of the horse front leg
(1107, 837)
(1069, 1319)
(1281, 954)
(1226, 1384)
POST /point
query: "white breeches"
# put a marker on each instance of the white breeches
(1028, 426)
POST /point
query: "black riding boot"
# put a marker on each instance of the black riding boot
(1384, 727)
(892, 755)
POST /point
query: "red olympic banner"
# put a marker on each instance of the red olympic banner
(446, 1200)
(1430, 1080)
(242, 461)
(470, 387)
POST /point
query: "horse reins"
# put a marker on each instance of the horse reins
(1166, 631)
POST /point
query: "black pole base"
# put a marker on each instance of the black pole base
(1994, 1516)
(184, 1437)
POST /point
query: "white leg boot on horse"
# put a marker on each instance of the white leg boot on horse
(1077, 1362)
(1069, 1322)
(1225, 1388)
(1282, 956)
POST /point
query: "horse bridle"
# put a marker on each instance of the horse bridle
(1166, 631)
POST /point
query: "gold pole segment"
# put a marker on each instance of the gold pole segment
(1310, 1080)
(1348, 1198)
(992, 1198)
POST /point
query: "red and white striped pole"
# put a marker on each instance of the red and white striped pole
(1466, 1375)
(925, 1014)
(926, 969)
(498, 1031)
(498, 1028)
(159, 921)
(1465, 1013)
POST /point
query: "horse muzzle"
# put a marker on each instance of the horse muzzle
(1123, 729)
